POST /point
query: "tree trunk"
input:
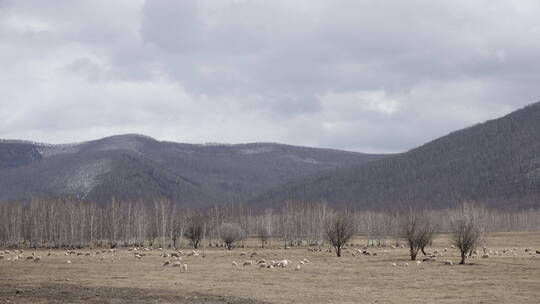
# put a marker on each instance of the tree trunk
(463, 255)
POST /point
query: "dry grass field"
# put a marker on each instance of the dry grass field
(512, 277)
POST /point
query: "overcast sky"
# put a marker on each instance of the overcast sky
(369, 76)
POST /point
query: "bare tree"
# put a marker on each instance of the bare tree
(178, 230)
(339, 229)
(230, 233)
(468, 231)
(263, 235)
(417, 230)
(194, 229)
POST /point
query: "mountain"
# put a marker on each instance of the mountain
(496, 163)
(135, 166)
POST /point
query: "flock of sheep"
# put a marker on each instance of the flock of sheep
(176, 258)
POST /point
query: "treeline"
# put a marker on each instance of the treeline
(71, 223)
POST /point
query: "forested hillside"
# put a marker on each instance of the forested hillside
(496, 163)
(132, 167)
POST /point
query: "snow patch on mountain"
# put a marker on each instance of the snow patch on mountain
(85, 177)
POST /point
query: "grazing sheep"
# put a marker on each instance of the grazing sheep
(166, 263)
(243, 253)
(68, 262)
(406, 264)
(418, 263)
(87, 254)
(37, 258)
(248, 263)
(30, 257)
(261, 261)
(485, 256)
(394, 265)
(253, 254)
(234, 264)
(193, 253)
(283, 263)
(263, 265)
(305, 260)
(184, 267)
(301, 262)
(448, 262)
(297, 267)
(176, 264)
(79, 253)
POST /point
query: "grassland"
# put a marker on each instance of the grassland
(121, 278)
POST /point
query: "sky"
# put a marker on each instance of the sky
(367, 76)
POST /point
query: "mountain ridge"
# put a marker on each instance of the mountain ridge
(496, 162)
(134, 166)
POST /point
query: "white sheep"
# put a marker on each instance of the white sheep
(166, 263)
(234, 264)
(297, 267)
(184, 267)
(448, 262)
(68, 262)
(176, 264)
(248, 263)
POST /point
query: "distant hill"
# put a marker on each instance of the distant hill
(139, 167)
(496, 163)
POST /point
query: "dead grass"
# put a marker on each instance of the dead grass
(326, 279)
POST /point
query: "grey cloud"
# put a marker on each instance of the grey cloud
(361, 75)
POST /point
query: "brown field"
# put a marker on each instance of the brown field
(505, 278)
